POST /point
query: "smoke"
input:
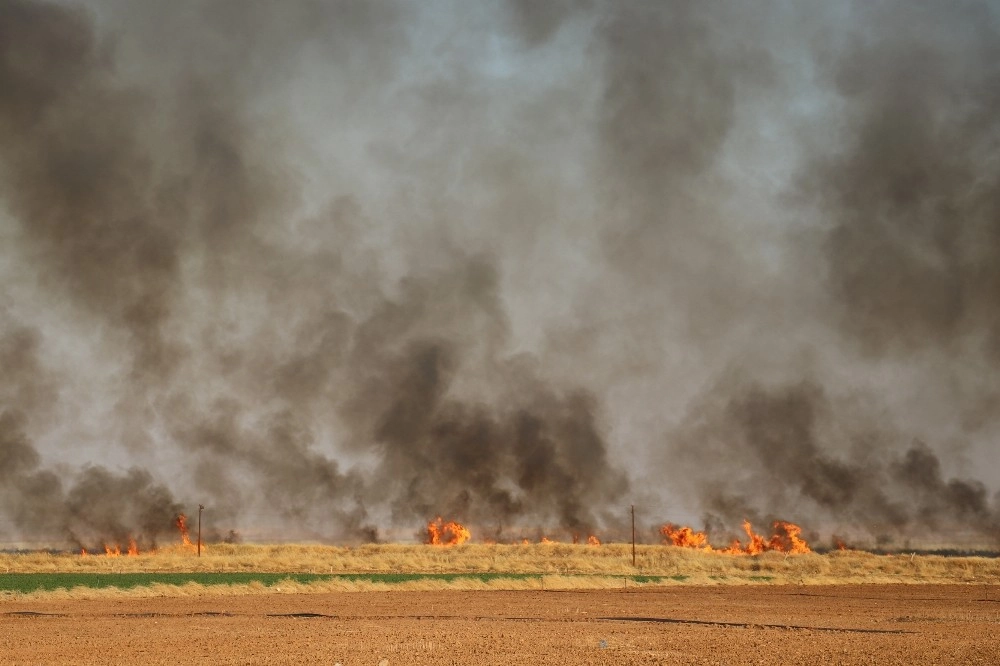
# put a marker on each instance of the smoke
(334, 268)
(95, 506)
(911, 192)
(835, 462)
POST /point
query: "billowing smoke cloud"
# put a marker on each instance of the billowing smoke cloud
(795, 446)
(911, 189)
(333, 269)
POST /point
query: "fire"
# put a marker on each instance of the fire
(440, 533)
(116, 551)
(132, 550)
(545, 539)
(593, 541)
(181, 523)
(785, 538)
(756, 544)
(684, 537)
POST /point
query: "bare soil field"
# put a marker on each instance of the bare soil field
(745, 624)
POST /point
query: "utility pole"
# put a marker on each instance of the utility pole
(201, 507)
(633, 535)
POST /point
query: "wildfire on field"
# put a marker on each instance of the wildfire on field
(684, 537)
(132, 550)
(440, 533)
(181, 523)
(592, 540)
(115, 550)
(785, 538)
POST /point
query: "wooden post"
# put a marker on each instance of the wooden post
(633, 535)
(201, 507)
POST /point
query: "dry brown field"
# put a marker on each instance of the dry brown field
(722, 624)
(587, 607)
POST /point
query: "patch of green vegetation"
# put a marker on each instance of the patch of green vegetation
(762, 579)
(446, 577)
(33, 582)
(658, 579)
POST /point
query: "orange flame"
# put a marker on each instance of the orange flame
(181, 523)
(684, 537)
(756, 544)
(593, 541)
(133, 547)
(545, 539)
(440, 533)
(785, 539)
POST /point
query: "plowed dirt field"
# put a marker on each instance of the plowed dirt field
(912, 624)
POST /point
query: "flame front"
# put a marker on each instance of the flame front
(593, 541)
(440, 533)
(684, 537)
(788, 538)
(785, 538)
(181, 523)
(132, 550)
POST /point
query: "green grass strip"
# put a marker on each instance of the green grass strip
(34, 582)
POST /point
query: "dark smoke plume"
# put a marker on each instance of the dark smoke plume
(794, 450)
(912, 190)
(98, 507)
(335, 268)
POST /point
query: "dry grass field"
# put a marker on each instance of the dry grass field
(510, 567)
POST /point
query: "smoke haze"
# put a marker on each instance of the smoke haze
(332, 269)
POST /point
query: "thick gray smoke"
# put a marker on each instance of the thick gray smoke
(795, 446)
(333, 269)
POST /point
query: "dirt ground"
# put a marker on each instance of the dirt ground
(912, 624)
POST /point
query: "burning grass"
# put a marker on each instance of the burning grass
(246, 569)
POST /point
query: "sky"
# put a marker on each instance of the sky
(332, 269)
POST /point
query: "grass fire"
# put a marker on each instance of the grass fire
(785, 538)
